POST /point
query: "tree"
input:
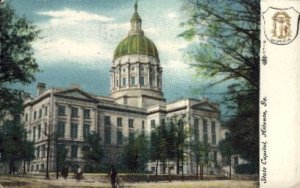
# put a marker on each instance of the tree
(225, 40)
(180, 142)
(17, 64)
(227, 151)
(14, 147)
(93, 152)
(158, 145)
(134, 155)
(27, 153)
(61, 154)
(201, 151)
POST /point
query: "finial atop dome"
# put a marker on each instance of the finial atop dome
(136, 6)
(136, 22)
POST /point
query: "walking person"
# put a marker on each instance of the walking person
(65, 171)
(112, 174)
(79, 175)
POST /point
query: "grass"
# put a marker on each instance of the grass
(39, 182)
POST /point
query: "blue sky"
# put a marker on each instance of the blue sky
(78, 39)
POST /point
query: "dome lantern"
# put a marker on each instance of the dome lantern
(136, 22)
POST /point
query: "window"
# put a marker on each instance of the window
(39, 131)
(130, 123)
(196, 129)
(215, 156)
(34, 115)
(236, 160)
(132, 80)
(119, 122)
(34, 132)
(205, 138)
(46, 110)
(107, 136)
(213, 132)
(107, 121)
(213, 127)
(40, 113)
(86, 130)
(124, 70)
(38, 152)
(43, 151)
(131, 136)
(86, 114)
(45, 128)
(124, 81)
(214, 139)
(142, 80)
(143, 125)
(162, 122)
(61, 110)
(74, 112)
(74, 130)
(117, 83)
(132, 68)
(152, 123)
(142, 68)
(26, 117)
(204, 125)
(74, 151)
(61, 129)
(119, 137)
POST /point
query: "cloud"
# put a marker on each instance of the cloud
(75, 36)
(81, 52)
(72, 16)
(172, 15)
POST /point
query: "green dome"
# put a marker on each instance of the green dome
(136, 44)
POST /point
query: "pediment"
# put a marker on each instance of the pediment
(75, 93)
(205, 106)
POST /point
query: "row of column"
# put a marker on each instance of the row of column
(117, 76)
(209, 123)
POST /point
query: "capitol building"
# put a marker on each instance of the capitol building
(136, 104)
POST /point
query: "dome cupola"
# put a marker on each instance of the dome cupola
(136, 74)
(136, 42)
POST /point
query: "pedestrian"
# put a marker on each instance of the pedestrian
(79, 175)
(65, 171)
(113, 176)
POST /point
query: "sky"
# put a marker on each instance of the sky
(78, 39)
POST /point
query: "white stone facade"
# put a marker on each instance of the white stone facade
(72, 106)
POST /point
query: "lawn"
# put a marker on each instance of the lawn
(34, 182)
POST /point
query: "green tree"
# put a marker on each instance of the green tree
(158, 145)
(201, 152)
(14, 147)
(227, 151)
(93, 152)
(17, 64)
(134, 155)
(27, 153)
(180, 143)
(171, 147)
(225, 39)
